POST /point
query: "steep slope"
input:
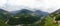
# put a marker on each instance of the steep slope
(4, 15)
(57, 11)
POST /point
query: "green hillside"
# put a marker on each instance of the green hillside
(28, 18)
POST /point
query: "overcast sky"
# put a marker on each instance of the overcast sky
(44, 5)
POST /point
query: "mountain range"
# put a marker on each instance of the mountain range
(37, 12)
(5, 15)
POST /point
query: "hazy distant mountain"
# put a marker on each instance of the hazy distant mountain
(22, 11)
(26, 11)
(41, 13)
(14, 12)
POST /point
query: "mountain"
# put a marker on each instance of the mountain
(41, 13)
(4, 15)
(14, 12)
(23, 16)
(57, 11)
(25, 11)
(1, 10)
(37, 12)
(21, 11)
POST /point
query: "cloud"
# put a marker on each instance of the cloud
(44, 5)
(2, 3)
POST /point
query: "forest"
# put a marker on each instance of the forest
(26, 17)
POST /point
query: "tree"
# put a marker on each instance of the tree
(57, 17)
(48, 21)
(23, 19)
(2, 23)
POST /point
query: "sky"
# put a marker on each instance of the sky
(44, 5)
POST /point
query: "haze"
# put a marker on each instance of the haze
(44, 5)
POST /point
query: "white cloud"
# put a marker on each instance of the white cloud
(45, 5)
(2, 2)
